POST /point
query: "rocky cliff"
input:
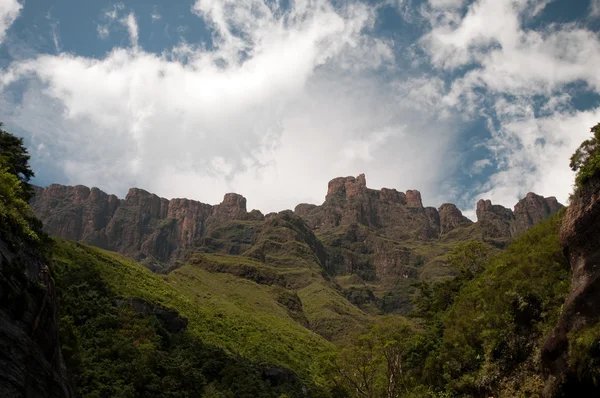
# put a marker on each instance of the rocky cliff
(364, 228)
(31, 363)
(580, 238)
(143, 225)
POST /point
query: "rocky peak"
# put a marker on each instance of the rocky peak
(529, 211)
(413, 199)
(233, 207)
(143, 225)
(149, 203)
(533, 209)
(343, 187)
(451, 217)
(488, 211)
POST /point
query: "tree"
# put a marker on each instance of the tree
(470, 258)
(16, 160)
(375, 364)
(586, 159)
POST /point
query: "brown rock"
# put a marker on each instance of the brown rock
(413, 199)
(580, 238)
(392, 196)
(451, 217)
(31, 364)
(143, 225)
(533, 209)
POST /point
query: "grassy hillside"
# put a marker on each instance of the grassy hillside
(237, 314)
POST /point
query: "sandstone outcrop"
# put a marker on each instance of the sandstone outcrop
(363, 229)
(499, 222)
(143, 225)
(451, 218)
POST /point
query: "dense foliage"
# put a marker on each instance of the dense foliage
(477, 334)
(14, 157)
(17, 221)
(113, 351)
(586, 159)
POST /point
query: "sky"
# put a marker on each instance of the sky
(271, 99)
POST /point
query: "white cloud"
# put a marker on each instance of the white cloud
(9, 11)
(155, 16)
(517, 78)
(102, 31)
(595, 8)
(130, 23)
(287, 99)
(285, 102)
(480, 165)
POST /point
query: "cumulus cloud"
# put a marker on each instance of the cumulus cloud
(285, 101)
(286, 98)
(516, 78)
(9, 11)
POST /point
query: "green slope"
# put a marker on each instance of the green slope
(223, 310)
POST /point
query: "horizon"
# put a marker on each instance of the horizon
(461, 100)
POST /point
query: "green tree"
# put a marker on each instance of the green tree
(586, 159)
(16, 161)
(16, 217)
(376, 364)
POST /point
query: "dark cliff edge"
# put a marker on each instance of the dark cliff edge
(578, 328)
(31, 363)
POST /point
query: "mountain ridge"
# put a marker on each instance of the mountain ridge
(353, 219)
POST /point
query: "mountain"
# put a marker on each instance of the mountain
(370, 246)
(159, 232)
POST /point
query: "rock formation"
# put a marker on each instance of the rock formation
(580, 238)
(500, 222)
(143, 225)
(451, 217)
(363, 227)
(31, 364)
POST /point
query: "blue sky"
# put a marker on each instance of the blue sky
(271, 99)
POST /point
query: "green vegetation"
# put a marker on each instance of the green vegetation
(480, 332)
(237, 315)
(116, 351)
(17, 222)
(14, 157)
(586, 159)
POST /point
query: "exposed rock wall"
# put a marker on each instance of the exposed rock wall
(580, 238)
(501, 222)
(156, 230)
(143, 225)
(31, 363)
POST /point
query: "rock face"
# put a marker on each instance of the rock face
(451, 218)
(349, 201)
(500, 222)
(143, 225)
(31, 364)
(363, 227)
(580, 238)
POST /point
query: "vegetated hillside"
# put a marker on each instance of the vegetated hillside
(509, 324)
(370, 245)
(128, 332)
(476, 335)
(222, 310)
